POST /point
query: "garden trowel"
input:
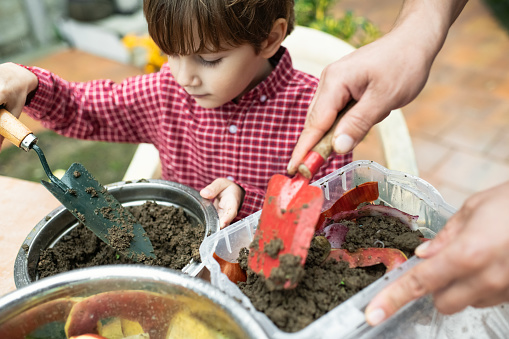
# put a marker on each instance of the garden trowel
(289, 215)
(85, 197)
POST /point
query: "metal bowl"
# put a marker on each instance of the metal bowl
(60, 221)
(191, 305)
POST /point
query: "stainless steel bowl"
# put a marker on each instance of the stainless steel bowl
(200, 307)
(60, 221)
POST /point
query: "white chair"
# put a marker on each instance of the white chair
(311, 51)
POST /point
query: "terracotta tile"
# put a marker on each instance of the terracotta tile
(471, 173)
(500, 116)
(444, 76)
(470, 104)
(429, 154)
(469, 135)
(483, 83)
(499, 149)
(502, 89)
(501, 62)
(433, 92)
(428, 119)
(452, 195)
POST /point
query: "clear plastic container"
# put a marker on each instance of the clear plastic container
(418, 319)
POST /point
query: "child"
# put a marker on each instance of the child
(225, 112)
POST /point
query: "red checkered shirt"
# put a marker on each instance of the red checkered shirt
(246, 142)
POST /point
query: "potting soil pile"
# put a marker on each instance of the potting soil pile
(175, 240)
(326, 283)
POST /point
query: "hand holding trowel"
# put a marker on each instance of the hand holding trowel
(289, 215)
(85, 197)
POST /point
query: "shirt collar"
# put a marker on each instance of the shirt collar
(279, 77)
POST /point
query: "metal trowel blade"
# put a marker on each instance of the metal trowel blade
(98, 210)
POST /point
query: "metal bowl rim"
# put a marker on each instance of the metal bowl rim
(21, 276)
(153, 274)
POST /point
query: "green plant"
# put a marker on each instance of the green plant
(355, 30)
(500, 10)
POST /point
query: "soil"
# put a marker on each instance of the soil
(327, 283)
(175, 240)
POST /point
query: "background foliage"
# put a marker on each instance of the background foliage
(356, 30)
(499, 9)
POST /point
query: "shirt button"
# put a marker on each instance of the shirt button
(230, 178)
(263, 98)
(232, 129)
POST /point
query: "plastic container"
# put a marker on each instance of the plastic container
(60, 221)
(418, 319)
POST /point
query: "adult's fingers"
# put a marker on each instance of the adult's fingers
(446, 235)
(356, 123)
(323, 110)
(459, 294)
(486, 285)
(427, 277)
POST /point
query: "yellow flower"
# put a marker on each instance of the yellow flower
(154, 58)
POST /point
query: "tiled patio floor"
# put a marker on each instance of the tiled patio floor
(459, 124)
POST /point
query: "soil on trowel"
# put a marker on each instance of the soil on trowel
(326, 283)
(175, 240)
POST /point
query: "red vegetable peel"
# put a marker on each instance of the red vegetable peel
(364, 257)
(366, 192)
(232, 270)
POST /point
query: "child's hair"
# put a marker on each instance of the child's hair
(177, 25)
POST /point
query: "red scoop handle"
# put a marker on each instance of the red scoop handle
(318, 154)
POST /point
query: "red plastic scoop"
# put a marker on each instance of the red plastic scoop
(287, 223)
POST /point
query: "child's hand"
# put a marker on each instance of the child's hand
(228, 197)
(16, 83)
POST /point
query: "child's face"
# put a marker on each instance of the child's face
(214, 79)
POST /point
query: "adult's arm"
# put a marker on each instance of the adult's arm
(467, 264)
(384, 75)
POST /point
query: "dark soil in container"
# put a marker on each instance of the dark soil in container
(175, 240)
(327, 283)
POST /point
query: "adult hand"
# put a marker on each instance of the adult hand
(228, 198)
(381, 76)
(384, 75)
(16, 83)
(467, 264)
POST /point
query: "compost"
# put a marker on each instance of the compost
(326, 283)
(175, 240)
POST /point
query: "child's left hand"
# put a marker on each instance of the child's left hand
(228, 197)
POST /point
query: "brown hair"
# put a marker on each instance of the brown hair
(173, 24)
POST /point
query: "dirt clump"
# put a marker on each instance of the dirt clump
(174, 238)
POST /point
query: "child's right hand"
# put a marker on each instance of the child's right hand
(228, 198)
(16, 83)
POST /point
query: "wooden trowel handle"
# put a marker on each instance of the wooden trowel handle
(317, 156)
(13, 129)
